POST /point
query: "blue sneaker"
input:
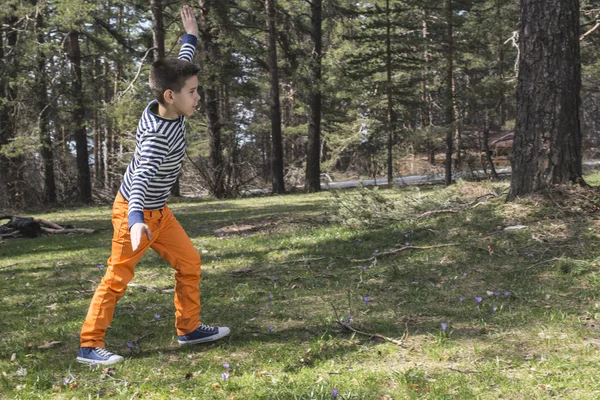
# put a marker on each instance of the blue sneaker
(97, 356)
(203, 333)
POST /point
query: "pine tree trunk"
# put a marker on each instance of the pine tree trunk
(5, 116)
(78, 115)
(277, 155)
(502, 107)
(390, 104)
(158, 29)
(449, 96)
(547, 145)
(44, 113)
(456, 126)
(209, 54)
(313, 156)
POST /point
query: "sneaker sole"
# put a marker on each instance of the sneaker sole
(206, 339)
(89, 362)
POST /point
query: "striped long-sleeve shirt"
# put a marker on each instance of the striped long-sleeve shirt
(158, 156)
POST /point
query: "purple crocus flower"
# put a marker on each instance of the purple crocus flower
(497, 294)
(100, 266)
(376, 251)
(461, 299)
(67, 380)
(478, 299)
(506, 294)
(224, 376)
(444, 326)
(270, 328)
(364, 269)
(275, 279)
(464, 274)
(226, 366)
(271, 296)
(406, 244)
(359, 240)
(494, 309)
(130, 345)
(334, 393)
(366, 299)
(157, 316)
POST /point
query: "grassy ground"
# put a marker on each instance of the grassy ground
(535, 333)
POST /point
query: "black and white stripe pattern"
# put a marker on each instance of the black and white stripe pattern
(159, 152)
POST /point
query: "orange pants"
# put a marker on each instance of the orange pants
(171, 242)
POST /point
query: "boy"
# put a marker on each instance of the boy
(141, 218)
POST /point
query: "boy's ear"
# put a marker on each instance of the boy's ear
(168, 96)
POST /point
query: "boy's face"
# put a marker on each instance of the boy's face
(186, 100)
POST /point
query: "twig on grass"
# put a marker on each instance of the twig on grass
(369, 335)
(397, 251)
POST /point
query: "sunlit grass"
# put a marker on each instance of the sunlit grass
(533, 334)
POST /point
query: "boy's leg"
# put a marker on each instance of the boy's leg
(175, 247)
(119, 272)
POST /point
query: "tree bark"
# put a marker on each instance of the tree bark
(158, 29)
(44, 113)
(78, 115)
(547, 145)
(449, 93)
(275, 107)
(390, 104)
(501, 40)
(313, 156)
(210, 54)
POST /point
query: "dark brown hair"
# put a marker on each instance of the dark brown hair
(170, 73)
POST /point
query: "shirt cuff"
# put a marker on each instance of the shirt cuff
(135, 217)
(189, 39)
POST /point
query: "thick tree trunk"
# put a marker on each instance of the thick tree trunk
(390, 104)
(43, 120)
(209, 53)
(449, 93)
(6, 127)
(547, 146)
(277, 157)
(78, 115)
(313, 156)
(158, 29)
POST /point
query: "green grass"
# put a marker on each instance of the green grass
(541, 342)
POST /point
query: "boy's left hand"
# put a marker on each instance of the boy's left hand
(189, 21)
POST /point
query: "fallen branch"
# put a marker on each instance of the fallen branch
(436, 212)
(370, 335)
(303, 260)
(67, 230)
(397, 251)
(474, 204)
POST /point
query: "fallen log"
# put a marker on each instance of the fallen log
(34, 227)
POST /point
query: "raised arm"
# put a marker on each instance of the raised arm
(188, 46)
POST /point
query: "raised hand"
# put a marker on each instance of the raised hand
(189, 21)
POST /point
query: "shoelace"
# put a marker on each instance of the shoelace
(103, 352)
(207, 328)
